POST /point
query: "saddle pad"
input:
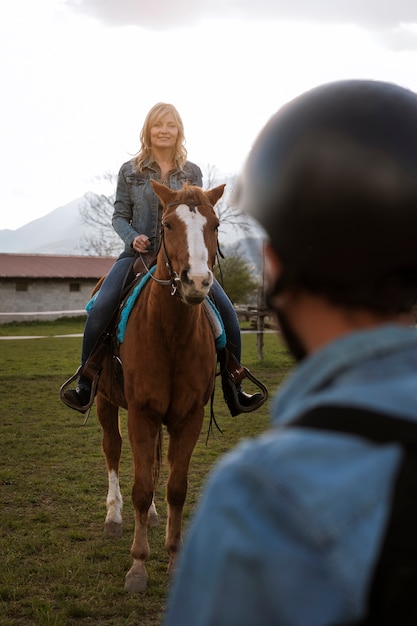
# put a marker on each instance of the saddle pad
(216, 323)
(213, 315)
(129, 303)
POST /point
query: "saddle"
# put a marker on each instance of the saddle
(232, 371)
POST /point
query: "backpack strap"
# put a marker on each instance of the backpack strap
(377, 427)
(392, 594)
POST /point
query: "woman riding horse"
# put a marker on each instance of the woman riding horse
(136, 219)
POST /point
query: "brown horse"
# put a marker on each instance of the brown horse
(169, 362)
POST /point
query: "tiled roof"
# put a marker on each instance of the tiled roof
(53, 266)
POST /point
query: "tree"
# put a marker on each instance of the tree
(97, 210)
(226, 210)
(237, 278)
(96, 213)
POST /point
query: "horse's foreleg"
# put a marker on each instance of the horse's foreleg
(143, 439)
(180, 449)
(108, 415)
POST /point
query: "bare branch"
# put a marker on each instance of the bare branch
(97, 211)
(96, 214)
(228, 214)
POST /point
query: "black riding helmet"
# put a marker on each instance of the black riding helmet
(332, 178)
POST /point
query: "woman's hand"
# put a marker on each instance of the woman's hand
(141, 243)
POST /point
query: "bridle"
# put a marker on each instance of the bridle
(174, 280)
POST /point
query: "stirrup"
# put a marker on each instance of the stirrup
(263, 392)
(72, 405)
(235, 374)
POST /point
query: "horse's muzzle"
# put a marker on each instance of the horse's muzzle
(195, 287)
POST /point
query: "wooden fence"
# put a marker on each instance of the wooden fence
(260, 319)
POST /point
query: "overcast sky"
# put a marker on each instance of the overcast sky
(79, 76)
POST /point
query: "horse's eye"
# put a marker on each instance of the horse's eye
(167, 225)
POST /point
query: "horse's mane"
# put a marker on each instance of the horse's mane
(193, 193)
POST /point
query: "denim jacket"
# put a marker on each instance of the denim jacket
(290, 525)
(137, 210)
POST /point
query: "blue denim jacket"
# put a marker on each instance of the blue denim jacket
(137, 209)
(290, 524)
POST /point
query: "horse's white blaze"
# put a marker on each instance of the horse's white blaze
(197, 250)
(114, 500)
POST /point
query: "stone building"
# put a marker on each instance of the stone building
(46, 287)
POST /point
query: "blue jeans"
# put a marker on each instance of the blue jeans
(105, 304)
(229, 317)
(108, 299)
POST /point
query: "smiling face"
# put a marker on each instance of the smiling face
(164, 132)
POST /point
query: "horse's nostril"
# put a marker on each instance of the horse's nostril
(185, 279)
(198, 280)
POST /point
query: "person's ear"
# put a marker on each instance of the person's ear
(272, 266)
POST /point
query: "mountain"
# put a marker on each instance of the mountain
(63, 232)
(60, 232)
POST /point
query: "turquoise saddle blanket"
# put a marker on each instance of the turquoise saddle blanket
(213, 314)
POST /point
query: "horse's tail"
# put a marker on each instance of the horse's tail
(158, 457)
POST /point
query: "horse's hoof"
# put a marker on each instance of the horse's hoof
(113, 530)
(136, 582)
(153, 519)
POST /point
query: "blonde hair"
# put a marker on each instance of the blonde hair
(158, 111)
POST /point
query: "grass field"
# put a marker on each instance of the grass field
(57, 568)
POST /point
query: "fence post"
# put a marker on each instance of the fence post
(260, 323)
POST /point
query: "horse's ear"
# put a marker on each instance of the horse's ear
(162, 191)
(216, 193)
